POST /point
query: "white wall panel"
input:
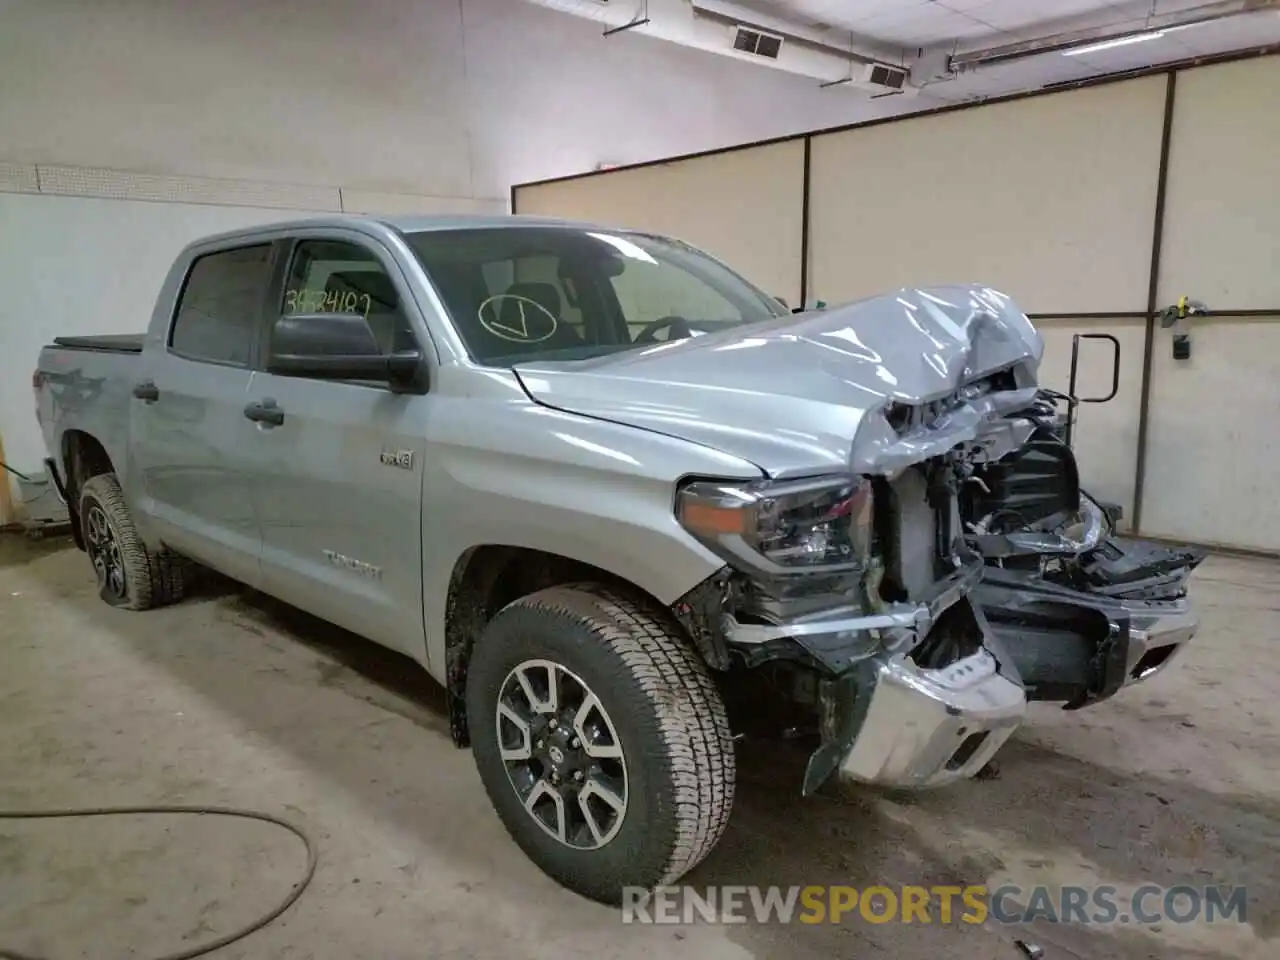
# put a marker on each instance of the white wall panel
(1049, 199)
(60, 180)
(448, 98)
(745, 207)
(1213, 451)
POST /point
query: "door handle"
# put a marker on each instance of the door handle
(146, 390)
(265, 412)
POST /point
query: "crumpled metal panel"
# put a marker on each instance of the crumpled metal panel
(812, 393)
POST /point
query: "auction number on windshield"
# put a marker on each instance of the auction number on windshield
(321, 301)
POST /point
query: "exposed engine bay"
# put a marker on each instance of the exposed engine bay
(917, 564)
(1082, 610)
(983, 561)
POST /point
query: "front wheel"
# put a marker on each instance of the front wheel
(601, 740)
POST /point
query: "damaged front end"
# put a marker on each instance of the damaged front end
(854, 597)
(907, 611)
(1082, 611)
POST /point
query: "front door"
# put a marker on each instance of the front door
(338, 480)
(189, 437)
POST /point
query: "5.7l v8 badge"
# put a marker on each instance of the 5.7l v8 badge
(397, 458)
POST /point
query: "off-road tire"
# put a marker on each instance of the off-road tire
(669, 716)
(152, 579)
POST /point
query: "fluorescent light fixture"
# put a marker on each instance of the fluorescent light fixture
(1115, 42)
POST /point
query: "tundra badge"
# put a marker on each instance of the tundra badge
(397, 458)
(352, 564)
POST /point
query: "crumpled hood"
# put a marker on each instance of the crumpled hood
(808, 393)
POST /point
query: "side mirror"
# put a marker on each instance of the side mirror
(336, 346)
(783, 301)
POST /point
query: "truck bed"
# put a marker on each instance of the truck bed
(104, 343)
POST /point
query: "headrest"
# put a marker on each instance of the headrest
(373, 282)
(543, 294)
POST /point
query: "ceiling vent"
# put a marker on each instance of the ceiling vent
(884, 76)
(751, 32)
(756, 42)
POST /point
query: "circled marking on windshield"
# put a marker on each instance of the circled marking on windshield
(521, 325)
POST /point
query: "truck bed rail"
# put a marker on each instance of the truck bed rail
(103, 343)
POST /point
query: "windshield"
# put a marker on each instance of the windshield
(553, 293)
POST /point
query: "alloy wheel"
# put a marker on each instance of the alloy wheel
(562, 754)
(104, 552)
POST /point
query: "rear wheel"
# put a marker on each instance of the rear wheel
(129, 574)
(601, 740)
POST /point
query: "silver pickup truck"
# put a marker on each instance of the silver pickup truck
(613, 497)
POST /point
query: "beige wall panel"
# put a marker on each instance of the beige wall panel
(1222, 206)
(1213, 451)
(1213, 455)
(1106, 434)
(743, 207)
(1049, 199)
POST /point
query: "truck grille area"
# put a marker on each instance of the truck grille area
(912, 530)
(917, 533)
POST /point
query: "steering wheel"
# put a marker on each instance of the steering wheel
(679, 328)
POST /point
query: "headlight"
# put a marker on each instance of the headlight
(821, 524)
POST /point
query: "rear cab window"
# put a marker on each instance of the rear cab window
(219, 310)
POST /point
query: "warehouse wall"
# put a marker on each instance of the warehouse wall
(448, 98)
(728, 223)
(211, 115)
(1052, 199)
(1047, 198)
(1214, 445)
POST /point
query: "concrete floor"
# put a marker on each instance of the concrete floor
(231, 699)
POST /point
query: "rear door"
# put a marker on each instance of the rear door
(190, 441)
(338, 481)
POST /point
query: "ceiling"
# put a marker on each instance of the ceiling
(958, 26)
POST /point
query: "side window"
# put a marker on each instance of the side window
(335, 276)
(220, 306)
(648, 292)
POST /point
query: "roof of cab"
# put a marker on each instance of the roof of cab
(463, 221)
(403, 224)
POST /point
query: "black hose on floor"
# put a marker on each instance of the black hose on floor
(21, 476)
(199, 951)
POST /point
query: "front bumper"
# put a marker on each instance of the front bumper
(884, 719)
(840, 638)
(1158, 632)
(925, 728)
(892, 723)
(1079, 648)
(888, 721)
